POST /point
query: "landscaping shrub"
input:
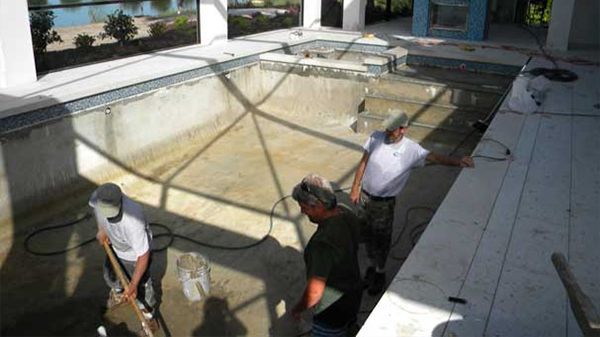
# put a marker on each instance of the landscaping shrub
(157, 29)
(241, 23)
(261, 20)
(120, 26)
(42, 34)
(181, 23)
(288, 22)
(84, 41)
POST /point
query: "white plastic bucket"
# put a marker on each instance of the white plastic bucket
(193, 271)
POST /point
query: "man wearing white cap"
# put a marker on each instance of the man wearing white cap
(121, 222)
(382, 173)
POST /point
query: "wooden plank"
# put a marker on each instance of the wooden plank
(584, 254)
(581, 306)
(530, 299)
(481, 282)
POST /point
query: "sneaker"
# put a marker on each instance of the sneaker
(148, 314)
(115, 297)
(152, 324)
(369, 275)
(377, 285)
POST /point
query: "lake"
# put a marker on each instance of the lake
(83, 15)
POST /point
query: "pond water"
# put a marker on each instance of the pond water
(86, 14)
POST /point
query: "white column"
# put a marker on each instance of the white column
(213, 21)
(17, 65)
(560, 25)
(312, 13)
(354, 15)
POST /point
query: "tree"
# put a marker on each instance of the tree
(42, 34)
(120, 26)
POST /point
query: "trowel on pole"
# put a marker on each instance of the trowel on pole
(125, 284)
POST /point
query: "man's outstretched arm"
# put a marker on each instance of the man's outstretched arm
(437, 158)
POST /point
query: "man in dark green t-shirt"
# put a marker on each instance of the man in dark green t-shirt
(333, 287)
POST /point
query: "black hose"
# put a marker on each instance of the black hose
(490, 158)
(49, 228)
(556, 74)
(168, 233)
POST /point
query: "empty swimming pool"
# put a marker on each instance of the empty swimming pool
(210, 157)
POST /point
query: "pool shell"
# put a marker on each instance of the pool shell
(208, 156)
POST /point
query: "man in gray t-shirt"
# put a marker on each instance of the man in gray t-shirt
(121, 222)
(382, 173)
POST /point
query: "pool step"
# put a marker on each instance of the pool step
(368, 122)
(449, 117)
(483, 81)
(432, 91)
(439, 139)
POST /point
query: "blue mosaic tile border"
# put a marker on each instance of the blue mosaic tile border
(377, 70)
(475, 66)
(47, 114)
(352, 46)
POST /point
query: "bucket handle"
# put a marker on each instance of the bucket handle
(200, 289)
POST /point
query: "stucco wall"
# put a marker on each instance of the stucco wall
(44, 163)
(335, 94)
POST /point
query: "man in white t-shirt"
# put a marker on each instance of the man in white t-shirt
(121, 222)
(383, 171)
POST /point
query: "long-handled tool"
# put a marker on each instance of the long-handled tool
(125, 285)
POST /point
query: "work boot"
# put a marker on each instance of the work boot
(377, 285)
(369, 276)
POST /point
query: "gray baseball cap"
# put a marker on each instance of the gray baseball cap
(109, 200)
(396, 119)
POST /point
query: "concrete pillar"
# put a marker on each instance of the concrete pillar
(354, 15)
(213, 21)
(311, 14)
(17, 65)
(560, 25)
